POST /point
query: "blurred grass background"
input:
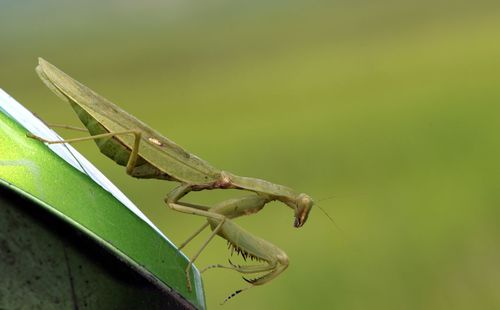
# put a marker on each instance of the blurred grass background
(389, 107)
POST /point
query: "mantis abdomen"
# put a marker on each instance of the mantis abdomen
(118, 152)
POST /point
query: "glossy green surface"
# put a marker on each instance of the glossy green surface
(47, 264)
(32, 168)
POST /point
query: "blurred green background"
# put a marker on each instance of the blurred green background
(388, 108)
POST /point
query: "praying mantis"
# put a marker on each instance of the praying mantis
(147, 154)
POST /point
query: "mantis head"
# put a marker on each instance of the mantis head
(303, 205)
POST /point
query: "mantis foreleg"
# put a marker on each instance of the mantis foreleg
(240, 240)
(242, 269)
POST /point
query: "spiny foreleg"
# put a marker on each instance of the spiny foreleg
(217, 217)
(252, 247)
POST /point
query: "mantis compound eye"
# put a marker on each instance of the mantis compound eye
(304, 206)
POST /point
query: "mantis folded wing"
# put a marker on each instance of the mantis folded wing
(147, 154)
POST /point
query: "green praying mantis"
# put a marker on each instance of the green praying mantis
(147, 154)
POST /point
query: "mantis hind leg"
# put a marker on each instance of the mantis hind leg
(69, 127)
(131, 163)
